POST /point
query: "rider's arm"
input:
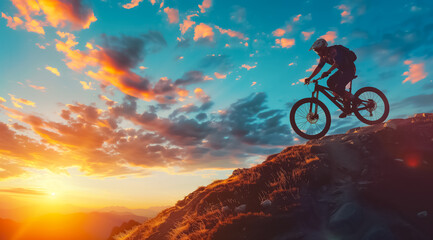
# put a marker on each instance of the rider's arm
(334, 66)
(316, 71)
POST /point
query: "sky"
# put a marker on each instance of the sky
(138, 103)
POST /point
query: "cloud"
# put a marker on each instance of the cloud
(418, 101)
(172, 14)
(416, 72)
(203, 31)
(13, 22)
(285, 42)
(186, 25)
(114, 61)
(296, 18)
(307, 35)
(40, 88)
(205, 5)
(133, 3)
(40, 46)
(53, 70)
(248, 67)
(330, 36)
(247, 128)
(24, 191)
(57, 13)
(190, 77)
(34, 26)
(220, 76)
(201, 95)
(345, 14)
(279, 32)
(231, 33)
(86, 86)
(15, 101)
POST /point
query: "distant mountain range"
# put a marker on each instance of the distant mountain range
(75, 226)
(24, 213)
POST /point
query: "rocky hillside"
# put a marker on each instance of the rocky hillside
(371, 183)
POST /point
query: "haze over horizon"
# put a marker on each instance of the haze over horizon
(137, 103)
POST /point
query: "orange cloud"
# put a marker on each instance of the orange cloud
(248, 67)
(285, 42)
(307, 35)
(231, 33)
(16, 101)
(330, 36)
(2, 100)
(311, 68)
(53, 70)
(296, 18)
(172, 14)
(206, 4)
(12, 22)
(416, 72)
(40, 46)
(220, 76)
(87, 86)
(279, 32)
(112, 65)
(133, 4)
(201, 95)
(152, 2)
(34, 26)
(186, 25)
(203, 31)
(252, 84)
(345, 14)
(40, 88)
(58, 13)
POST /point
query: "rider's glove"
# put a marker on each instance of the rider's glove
(307, 81)
(325, 74)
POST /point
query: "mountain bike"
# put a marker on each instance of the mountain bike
(310, 118)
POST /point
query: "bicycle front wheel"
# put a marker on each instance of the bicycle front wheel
(310, 118)
(374, 107)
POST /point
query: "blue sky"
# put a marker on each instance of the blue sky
(184, 108)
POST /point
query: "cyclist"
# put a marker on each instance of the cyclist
(341, 58)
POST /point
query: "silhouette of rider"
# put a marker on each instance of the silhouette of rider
(341, 58)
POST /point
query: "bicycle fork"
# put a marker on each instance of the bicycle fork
(316, 106)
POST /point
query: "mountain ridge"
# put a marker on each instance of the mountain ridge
(370, 183)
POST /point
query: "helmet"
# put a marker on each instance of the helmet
(319, 43)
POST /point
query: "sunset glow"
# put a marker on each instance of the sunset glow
(136, 103)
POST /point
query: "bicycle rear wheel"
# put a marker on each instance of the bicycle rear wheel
(374, 107)
(310, 118)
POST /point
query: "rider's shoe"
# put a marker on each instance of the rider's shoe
(343, 115)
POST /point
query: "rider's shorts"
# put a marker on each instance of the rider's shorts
(338, 81)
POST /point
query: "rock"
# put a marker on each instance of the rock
(346, 219)
(241, 208)
(267, 203)
(225, 209)
(422, 214)
(379, 233)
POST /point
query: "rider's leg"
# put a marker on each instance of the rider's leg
(333, 80)
(340, 84)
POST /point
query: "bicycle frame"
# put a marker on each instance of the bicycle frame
(328, 93)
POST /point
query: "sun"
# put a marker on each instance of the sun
(53, 194)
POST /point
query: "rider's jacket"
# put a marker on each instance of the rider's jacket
(337, 54)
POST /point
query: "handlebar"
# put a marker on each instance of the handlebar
(313, 81)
